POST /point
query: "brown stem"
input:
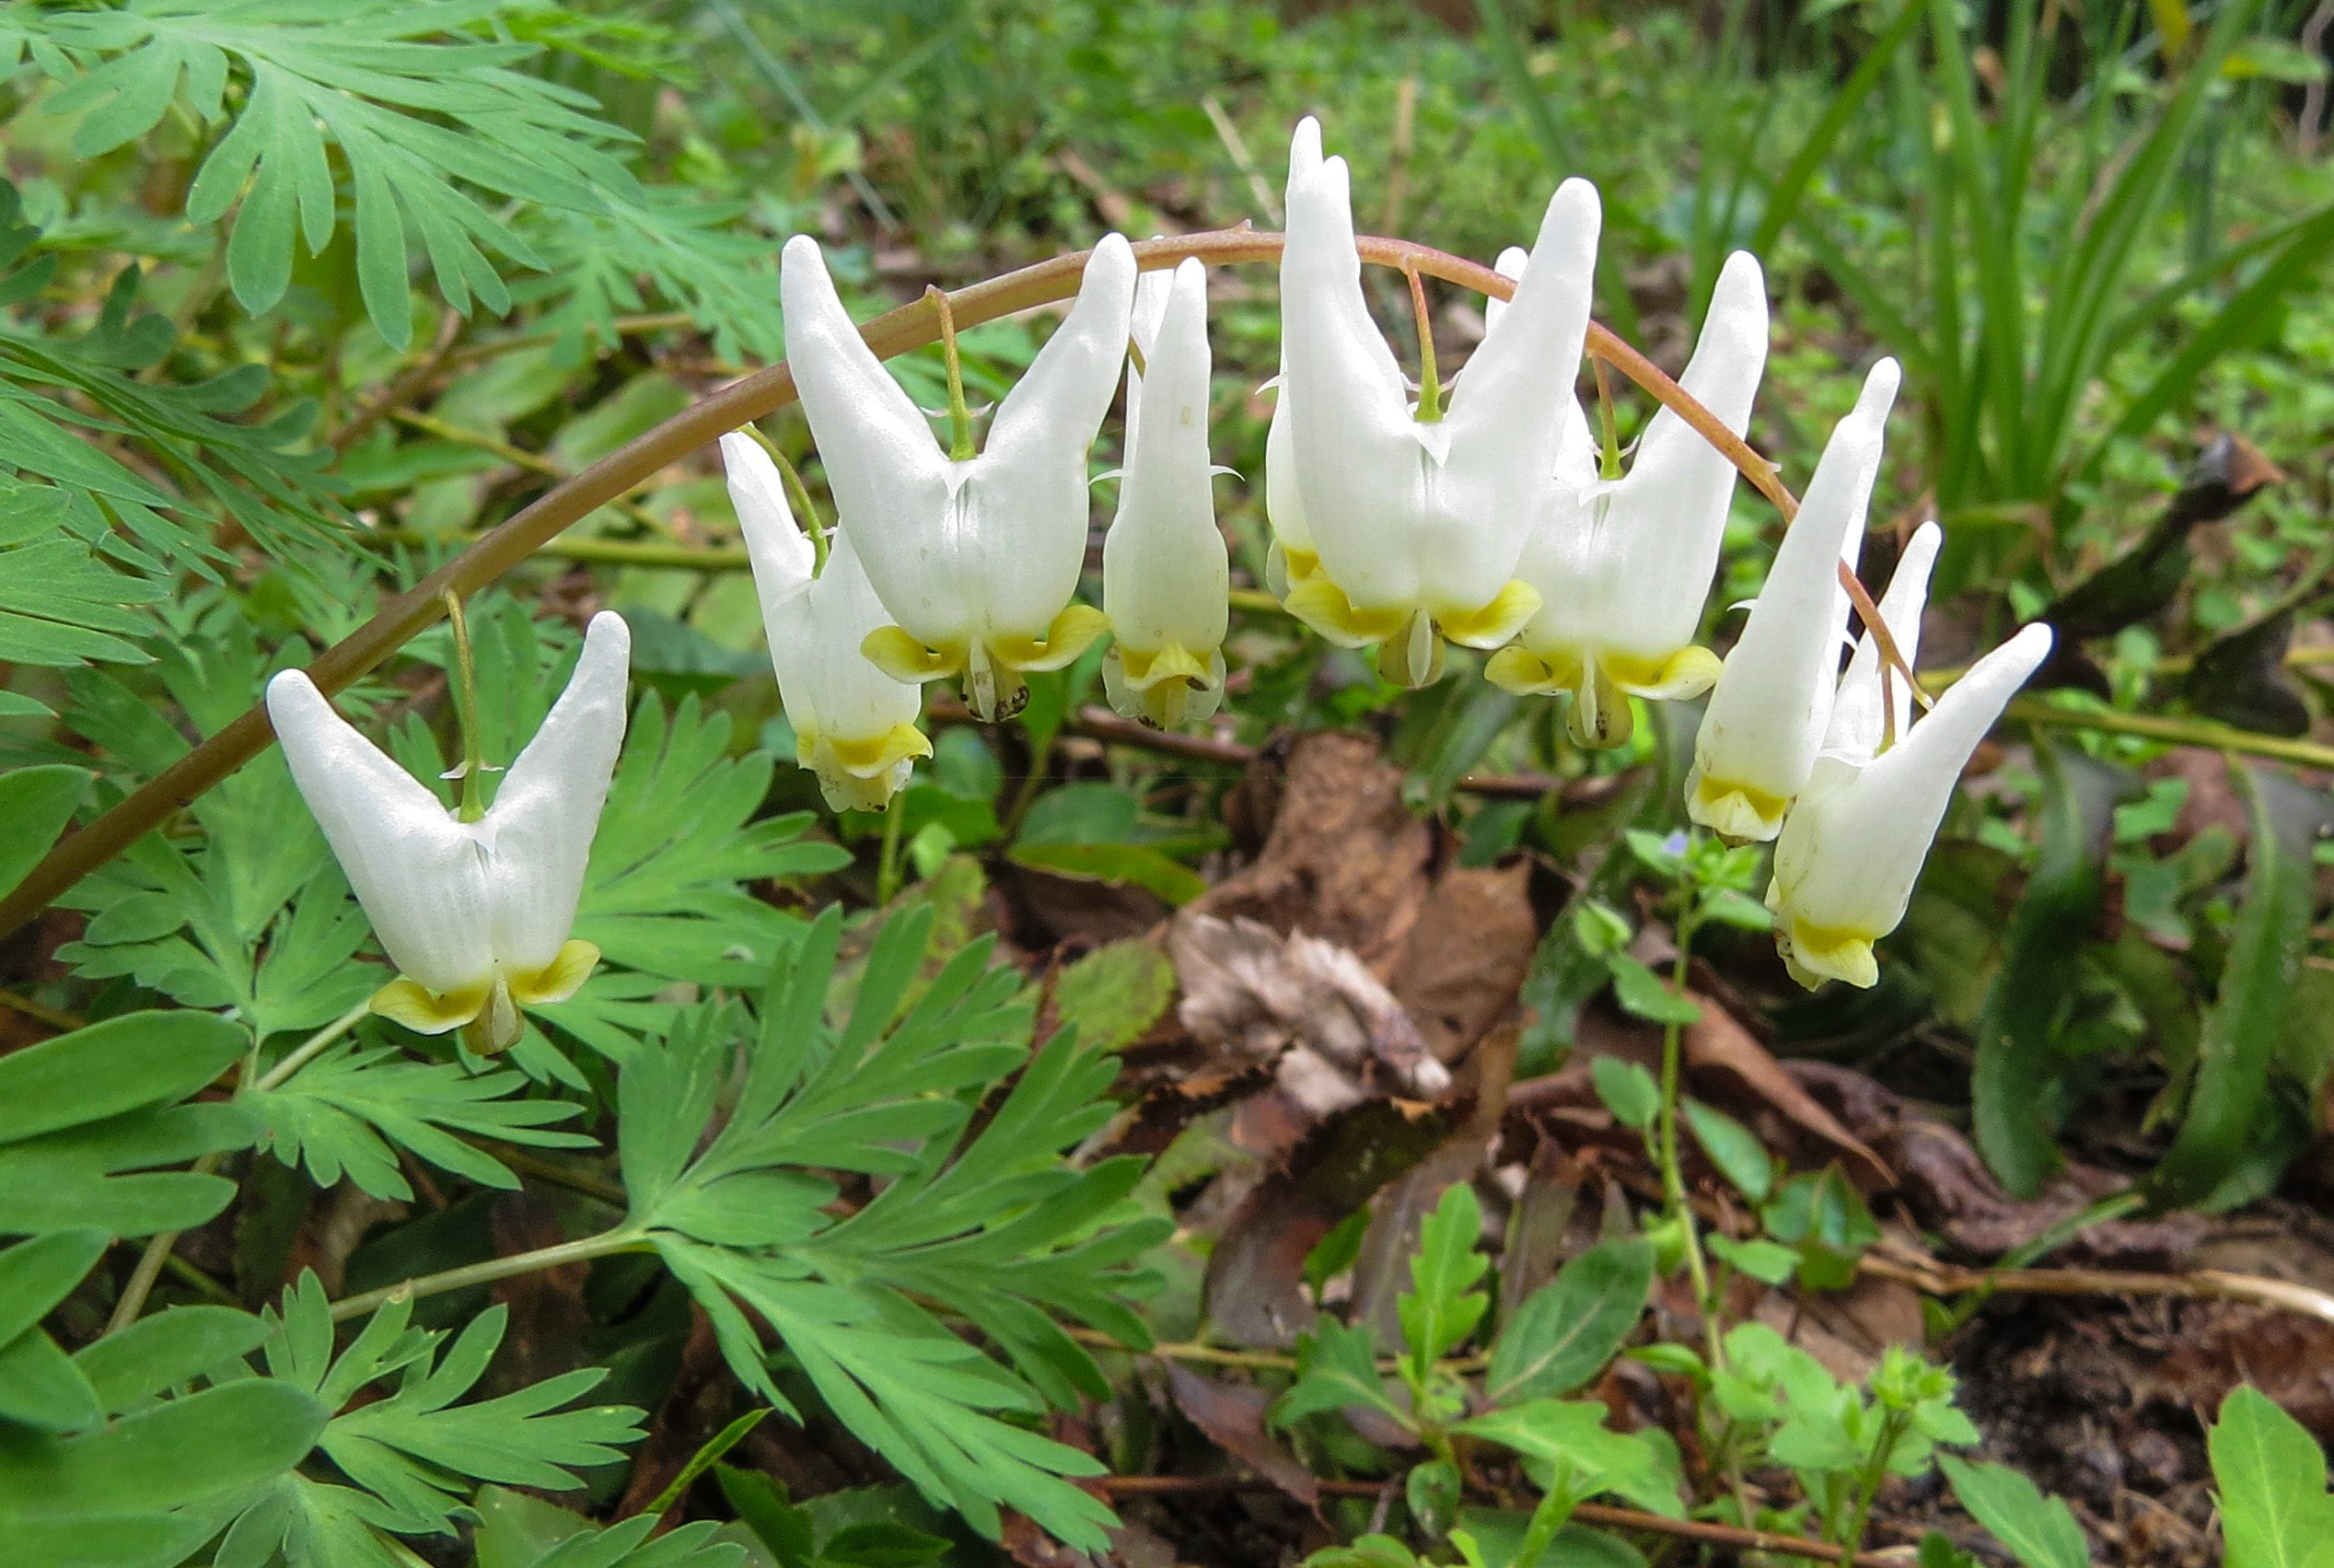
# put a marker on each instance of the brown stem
(759, 395)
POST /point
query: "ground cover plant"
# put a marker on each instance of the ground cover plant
(986, 781)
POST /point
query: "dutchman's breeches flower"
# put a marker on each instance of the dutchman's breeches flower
(975, 557)
(854, 725)
(1415, 516)
(1771, 704)
(1623, 566)
(1853, 844)
(1165, 577)
(476, 914)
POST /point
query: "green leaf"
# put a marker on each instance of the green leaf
(1336, 1370)
(2241, 1033)
(1568, 1329)
(1770, 1262)
(1734, 1148)
(1644, 994)
(1568, 1445)
(349, 1111)
(2014, 1086)
(1440, 1311)
(222, 1441)
(520, 1531)
(436, 128)
(2274, 1509)
(2039, 1531)
(124, 1063)
(165, 1351)
(36, 803)
(413, 1456)
(36, 1275)
(1115, 993)
(1628, 1091)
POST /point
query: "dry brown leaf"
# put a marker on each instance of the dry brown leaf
(1466, 958)
(1717, 1043)
(1309, 1006)
(1232, 1415)
(1345, 859)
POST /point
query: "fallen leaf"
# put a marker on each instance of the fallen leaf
(1466, 958)
(1345, 859)
(1255, 1285)
(1232, 1415)
(1717, 1043)
(1309, 1006)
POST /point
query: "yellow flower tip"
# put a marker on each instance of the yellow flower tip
(1322, 605)
(1528, 674)
(1686, 674)
(1816, 953)
(1283, 567)
(1736, 812)
(424, 1011)
(861, 774)
(1489, 625)
(559, 978)
(1071, 634)
(891, 650)
(1164, 687)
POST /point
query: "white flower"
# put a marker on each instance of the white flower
(1165, 577)
(1772, 702)
(1408, 521)
(1622, 567)
(854, 725)
(475, 915)
(1853, 844)
(975, 557)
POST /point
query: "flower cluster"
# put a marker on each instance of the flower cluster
(1486, 513)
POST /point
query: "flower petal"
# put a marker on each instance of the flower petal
(539, 833)
(891, 481)
(1771, 705)
(1027, 491)
(1166, 575)
(1860, 718)
(420, 873)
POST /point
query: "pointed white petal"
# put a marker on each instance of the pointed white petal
(1509, 411)
(1165, 574)
(1357, 458)
(1027, 494)
(1510, 265)
(1771, 706)
(539, 833)
(890, 479)
(827, 685)
(1669, 516)
(1851, 863)
(1284, 497)
(782, 554)
(1859, 717)
(420, 875)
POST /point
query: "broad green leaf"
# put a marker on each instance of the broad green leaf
(164, 1350)
(2241, 1033)
(1568, 1329)
(124, 1063)
(1569, 1445)
(2275, 1512)
(36, 803)
(1628, 1091)
(2039, 1531)
(226, 1439)
(36, 1275)
(2014, 1083)
(41, 1387)
(1734, 1148)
